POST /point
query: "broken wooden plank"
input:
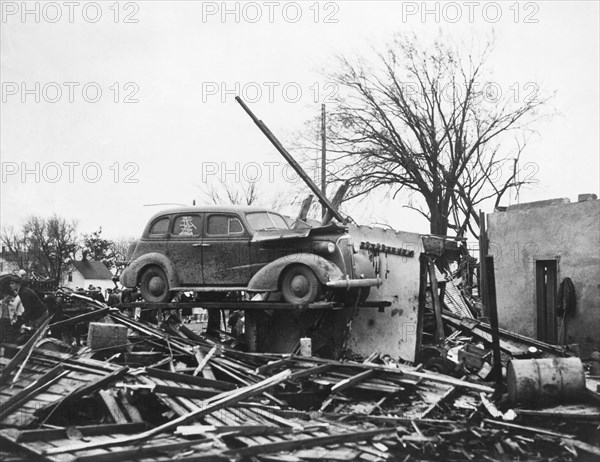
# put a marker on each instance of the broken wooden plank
(225, 399)
(18, 359)
(203, 360)
(112, 406)
(311, 371)
(81, 318)
(537, 430)
(190, 379)
(83, 390)
(88, 430)
(305, 443)
(351, 381)
(54, 374)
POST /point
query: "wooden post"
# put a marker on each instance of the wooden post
(422, 301)
(493, 314)
(323, 158)
(483, 251)
(437, 306)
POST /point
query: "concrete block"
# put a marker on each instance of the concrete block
(105, 335)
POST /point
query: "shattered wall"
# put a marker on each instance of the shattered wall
(393, 331)
(548, 230)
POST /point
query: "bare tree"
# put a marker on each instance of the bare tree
(14, 248)
(244, 192)
(120, 248)
(51, 244)
(426, 121)
(221, 192)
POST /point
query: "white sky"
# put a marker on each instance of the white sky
(178, 54)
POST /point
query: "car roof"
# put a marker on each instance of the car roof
(211, 208)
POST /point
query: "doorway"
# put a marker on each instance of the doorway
(545, 288)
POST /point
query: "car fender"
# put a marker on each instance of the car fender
(363, 268)
(267, 279)
(130, 276)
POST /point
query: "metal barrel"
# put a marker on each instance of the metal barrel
(545, 381)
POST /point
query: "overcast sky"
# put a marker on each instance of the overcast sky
(108, 107)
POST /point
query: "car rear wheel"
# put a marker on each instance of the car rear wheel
(300, 285)
(154, 286)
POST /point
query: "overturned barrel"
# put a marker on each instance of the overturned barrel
(545, 381)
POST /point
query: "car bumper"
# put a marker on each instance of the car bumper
(349, 283)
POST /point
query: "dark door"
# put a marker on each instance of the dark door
(226, 251)
(545, 278)
(185, 247)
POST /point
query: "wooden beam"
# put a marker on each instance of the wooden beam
(81, 318)
(437, 306)
(112, 406)
(351, 381)
(190, 379)
(311, 371)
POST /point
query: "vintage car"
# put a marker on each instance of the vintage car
(236, 248)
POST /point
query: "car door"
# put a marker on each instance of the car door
(226, 251)
(184, 247)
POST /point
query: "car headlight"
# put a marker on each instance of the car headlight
(356, 247)
(324, 247)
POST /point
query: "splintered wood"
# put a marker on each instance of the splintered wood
(197, 401)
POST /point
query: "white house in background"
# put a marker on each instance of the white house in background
(86, 272)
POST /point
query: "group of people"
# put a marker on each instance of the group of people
(113, 296)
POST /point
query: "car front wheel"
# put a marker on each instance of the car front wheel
(300, 285)
(154, 286)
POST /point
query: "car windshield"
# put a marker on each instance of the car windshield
(260, 221)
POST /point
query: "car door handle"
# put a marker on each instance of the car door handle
(200, 245)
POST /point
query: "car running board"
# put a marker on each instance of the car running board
(214, 289)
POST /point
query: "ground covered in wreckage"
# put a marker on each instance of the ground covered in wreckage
(169, 393)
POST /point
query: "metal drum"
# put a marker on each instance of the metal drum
(545, 381)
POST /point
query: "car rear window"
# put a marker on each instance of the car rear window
(187, 226)
(266, 220)
(160, 227)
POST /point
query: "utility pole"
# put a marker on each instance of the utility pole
(323, 158)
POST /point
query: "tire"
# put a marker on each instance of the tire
(300, 286)
(154, 286)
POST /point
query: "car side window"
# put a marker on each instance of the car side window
(160, 227)
(224, 225)
(187, 226)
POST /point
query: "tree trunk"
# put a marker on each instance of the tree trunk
(438, 223)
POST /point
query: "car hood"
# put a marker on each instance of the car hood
(278, 234)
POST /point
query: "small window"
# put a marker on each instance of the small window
(187, 226)
(70, 277)
(235, 226)
(222, 225)
(160, 227)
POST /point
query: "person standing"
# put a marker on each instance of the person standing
(34, 310)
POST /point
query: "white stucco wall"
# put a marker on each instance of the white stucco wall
(392, 332)
(568, 232)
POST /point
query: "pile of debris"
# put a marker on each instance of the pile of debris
(138, 391)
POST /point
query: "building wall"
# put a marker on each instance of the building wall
(556, 229)
(7, 267)
(394, 330)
